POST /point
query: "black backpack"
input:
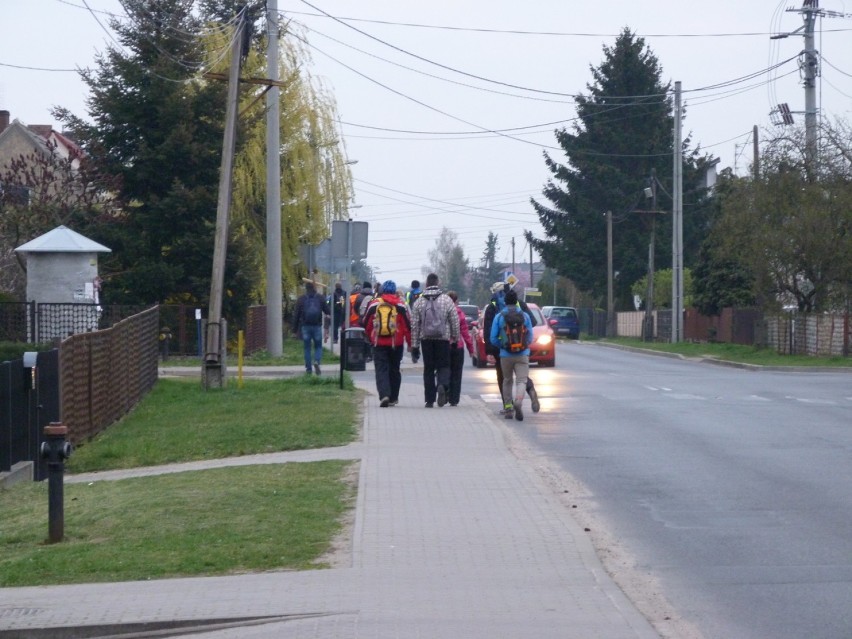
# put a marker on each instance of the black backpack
(312, 310)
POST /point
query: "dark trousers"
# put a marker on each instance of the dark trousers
(530, 385)
(436, 367)
(386, 361)
(456, 368)
(336, 326)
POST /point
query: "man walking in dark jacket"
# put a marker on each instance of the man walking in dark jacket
(310, 309)
(338, 311)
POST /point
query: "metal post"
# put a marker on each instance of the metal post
(274, 297)
(347, 310)
(677, 225)
(56, 450)
(610, 301)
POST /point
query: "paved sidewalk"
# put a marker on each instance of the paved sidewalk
(454, 537)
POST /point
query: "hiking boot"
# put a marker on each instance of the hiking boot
(442, 395)
(519, 414)
(508, 411)
(385, 402)
(428, 405)
(536, 405)
(316, 368)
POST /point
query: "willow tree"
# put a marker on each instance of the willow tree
(316, 185)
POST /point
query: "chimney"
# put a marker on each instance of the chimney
(4, 120)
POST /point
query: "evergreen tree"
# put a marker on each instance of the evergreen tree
(623, 134)
(159, 127)
(158, 122)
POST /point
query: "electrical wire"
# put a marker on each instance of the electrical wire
(431, 75)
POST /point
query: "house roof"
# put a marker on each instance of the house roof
(62, 240)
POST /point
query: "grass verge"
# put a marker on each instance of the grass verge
(734, 353)
(293, 354)
(210, 522)
(200, 523)
(179, 421)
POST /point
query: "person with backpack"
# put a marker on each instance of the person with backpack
(413, 293)
(497, 304)
(457, 352)
(310, 309)
(511, 332)
(388, 327)
(361, 303)
(353, 306)
(434, 326)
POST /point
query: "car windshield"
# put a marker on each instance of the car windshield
(536, 313)
(470, 310)
(563, 312)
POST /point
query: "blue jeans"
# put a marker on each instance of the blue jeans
(312, 334)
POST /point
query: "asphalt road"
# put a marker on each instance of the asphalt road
(729, 489)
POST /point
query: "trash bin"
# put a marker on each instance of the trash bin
(355, 343)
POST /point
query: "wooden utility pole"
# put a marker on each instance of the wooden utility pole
(213, 374)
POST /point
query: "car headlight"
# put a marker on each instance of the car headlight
(544, 340)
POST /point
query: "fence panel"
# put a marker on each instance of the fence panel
(104, 374)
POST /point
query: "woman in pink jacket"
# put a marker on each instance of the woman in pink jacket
(457, 353)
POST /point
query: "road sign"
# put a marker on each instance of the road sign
(340, 243)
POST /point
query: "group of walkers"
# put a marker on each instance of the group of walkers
(431, 325)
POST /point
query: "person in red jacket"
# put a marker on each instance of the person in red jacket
(457, 353)
(388, 328)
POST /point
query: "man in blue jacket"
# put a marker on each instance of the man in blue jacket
(511, 332)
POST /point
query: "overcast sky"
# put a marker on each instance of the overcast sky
(422, 87)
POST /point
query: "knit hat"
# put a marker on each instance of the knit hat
(496, 287)
(389, 287)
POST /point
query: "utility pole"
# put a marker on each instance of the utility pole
(677, 223)
(648, 328)
(274, 301)
(532, 281)
(809, 69)
(213, 374)
(809, 65)
(513, 255)
(610, 301)
(756, 153)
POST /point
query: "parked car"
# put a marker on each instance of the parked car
(564, 320)
(542, 349)
(471, 312)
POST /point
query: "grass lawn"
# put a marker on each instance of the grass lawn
(207, 522)
(180, 421)
(734, 353)
(292, 355)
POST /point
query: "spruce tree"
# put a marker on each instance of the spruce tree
(623, 134)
